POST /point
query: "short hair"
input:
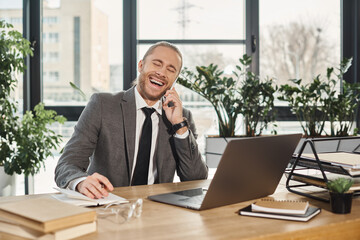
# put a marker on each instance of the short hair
(164, 44)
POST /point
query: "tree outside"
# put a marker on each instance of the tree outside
(296, 51)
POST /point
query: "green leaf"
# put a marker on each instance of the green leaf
(339, 185)
(232, 96)
(25, 142)
(78, 90)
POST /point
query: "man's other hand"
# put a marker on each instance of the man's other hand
(95, 186)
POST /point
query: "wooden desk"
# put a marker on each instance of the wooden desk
(161, 221)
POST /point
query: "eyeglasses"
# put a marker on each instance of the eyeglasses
(120, 213)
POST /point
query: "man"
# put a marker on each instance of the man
(108, 149)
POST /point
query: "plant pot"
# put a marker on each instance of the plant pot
(341, 202)
(215, 146)
(7, 183)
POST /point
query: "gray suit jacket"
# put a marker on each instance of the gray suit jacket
(104, 142)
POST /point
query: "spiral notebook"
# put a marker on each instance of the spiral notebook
(310, 213)
(280, 206)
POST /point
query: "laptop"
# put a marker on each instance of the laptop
(249, 168)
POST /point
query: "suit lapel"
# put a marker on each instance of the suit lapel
(129, 118)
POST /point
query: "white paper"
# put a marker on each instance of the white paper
(78, 199)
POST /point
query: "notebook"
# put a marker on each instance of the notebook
(280, 206)
(249, 168)
(310, 213)
(344, 159)
(78, 199)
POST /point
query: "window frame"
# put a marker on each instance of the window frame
(33, 87)
(32, 30)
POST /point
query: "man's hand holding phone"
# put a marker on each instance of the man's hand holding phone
(174, 112)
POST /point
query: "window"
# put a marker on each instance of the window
(89, 43)
(298, 40)
(12, 12)
(88, 38)
(50, 57)
(53, 37)
(50, 20)
(201, 37)
(82, 44)
(195, 19)
(50, 37)
(16, 21)
(51, 76)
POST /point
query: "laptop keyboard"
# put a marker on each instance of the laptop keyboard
(191, 192)
(195, 199)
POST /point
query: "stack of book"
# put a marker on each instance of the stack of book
(318, 179)
(343, 164)
(45, 218)
(281, 209)
(348, 161)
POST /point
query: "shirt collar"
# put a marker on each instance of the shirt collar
(140, 103)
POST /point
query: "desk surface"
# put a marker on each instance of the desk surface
(162, 221)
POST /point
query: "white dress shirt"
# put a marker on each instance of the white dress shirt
(140, 118)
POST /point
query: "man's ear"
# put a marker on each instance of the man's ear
(140, 65)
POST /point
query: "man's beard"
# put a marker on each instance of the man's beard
(141, 82)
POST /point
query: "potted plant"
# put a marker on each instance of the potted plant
(340, 107)
(305, 102)
(242, 93)
(319, 101)
(25, 142)
(340, 196)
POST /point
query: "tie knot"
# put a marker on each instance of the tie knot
(148, 111)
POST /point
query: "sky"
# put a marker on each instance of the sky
(10, 4)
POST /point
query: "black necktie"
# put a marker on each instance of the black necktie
(141, 171)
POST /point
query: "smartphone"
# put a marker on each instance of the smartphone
(170, 104)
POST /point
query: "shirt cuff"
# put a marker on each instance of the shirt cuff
(72, 185)
(182, 136)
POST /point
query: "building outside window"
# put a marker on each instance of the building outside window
(51, 76)
(82, 43)
(50, 20)
(50, 57)
(16, 20)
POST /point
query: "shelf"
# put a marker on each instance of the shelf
(312, 164)
(326, 170)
